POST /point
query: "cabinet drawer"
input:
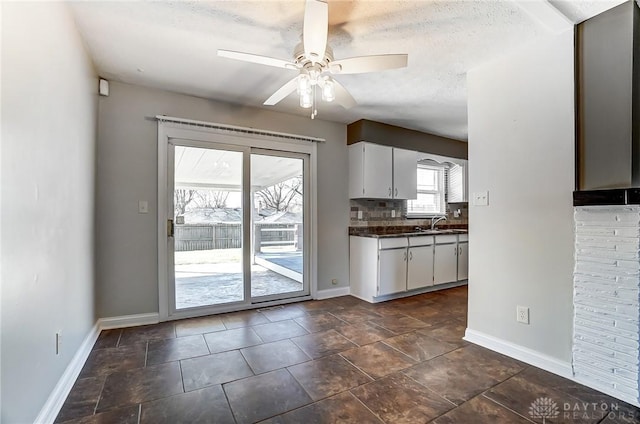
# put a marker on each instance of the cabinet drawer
(392, 242)
(421, 241)
(463, 237)
(446, 238)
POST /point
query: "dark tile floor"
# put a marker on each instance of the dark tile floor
(340, 360)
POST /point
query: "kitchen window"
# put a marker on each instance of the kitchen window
(431, 192)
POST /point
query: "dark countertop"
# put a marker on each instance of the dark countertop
(401, 231)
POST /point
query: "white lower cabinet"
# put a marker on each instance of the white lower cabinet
(385, 266)
(420, 267)
(463, 261)
(445, 262)
(392, 271)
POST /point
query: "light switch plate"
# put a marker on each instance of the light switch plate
(143, 206)
(481, 198)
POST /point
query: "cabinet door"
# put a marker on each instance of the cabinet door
(392, 271)
(463, 261)
(445, 263)
(420, 267)
(378, 161)
(405, 174)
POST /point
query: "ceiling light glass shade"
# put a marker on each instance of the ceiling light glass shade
(304, 83)
(306, 98)
(328, 90)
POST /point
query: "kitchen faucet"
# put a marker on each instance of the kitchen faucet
(435, 220)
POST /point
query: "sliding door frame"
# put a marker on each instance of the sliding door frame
(178, 133)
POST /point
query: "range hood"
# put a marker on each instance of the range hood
(608, 108)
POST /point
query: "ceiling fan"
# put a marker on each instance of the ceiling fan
(314, 61)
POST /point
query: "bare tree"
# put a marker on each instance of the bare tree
(282, 196)
(181, 200)
(212, 199)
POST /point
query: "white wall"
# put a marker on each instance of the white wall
(521, 149)
(49, 111)
(127, 277)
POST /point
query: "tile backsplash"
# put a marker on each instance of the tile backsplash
(380, 212)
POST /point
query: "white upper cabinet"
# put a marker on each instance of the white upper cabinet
(370, 171)
(405, 174)
(381, 172)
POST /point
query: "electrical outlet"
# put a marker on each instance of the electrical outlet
(522, 314)
(58, 342)
(143, 206)
(334, 281)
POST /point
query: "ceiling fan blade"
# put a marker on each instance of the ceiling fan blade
(315, 29)
(254, 58)
(343, 98)
(282, 92)
(362, 64)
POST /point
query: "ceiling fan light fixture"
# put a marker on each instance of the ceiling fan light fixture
(306, 98)
(313, 57)
(328, 90)
(304, 83)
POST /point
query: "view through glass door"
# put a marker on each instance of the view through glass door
(212, 267)
(277, 186)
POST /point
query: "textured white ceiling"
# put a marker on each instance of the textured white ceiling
(172, 45)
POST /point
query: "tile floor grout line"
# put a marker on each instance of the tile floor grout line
(233, 415)
(119, 337)
(357, 367)
(365, 405)
(483, 394)
(430, 389)
(181, 376)
(417, 361)
(95, 408)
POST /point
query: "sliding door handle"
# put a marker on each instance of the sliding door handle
(170, 228)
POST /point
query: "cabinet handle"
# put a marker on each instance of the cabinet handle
(460, 251)
(410, 256)
(396, 191)
(405, 256)
(389, 191)
(455, 251)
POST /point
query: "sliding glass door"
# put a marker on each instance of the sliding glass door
(278, 192)
(238, 232)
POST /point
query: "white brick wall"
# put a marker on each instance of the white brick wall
(606, 335)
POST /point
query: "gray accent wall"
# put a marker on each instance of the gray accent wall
(127, 262)
(608, 56)
(391, 135)
(49, 112)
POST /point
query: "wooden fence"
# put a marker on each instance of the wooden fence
(229, 236)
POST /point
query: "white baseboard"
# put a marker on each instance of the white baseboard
(56, 399)
(329, 293)
(521, 353)
(128, 321)
(540, 360)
